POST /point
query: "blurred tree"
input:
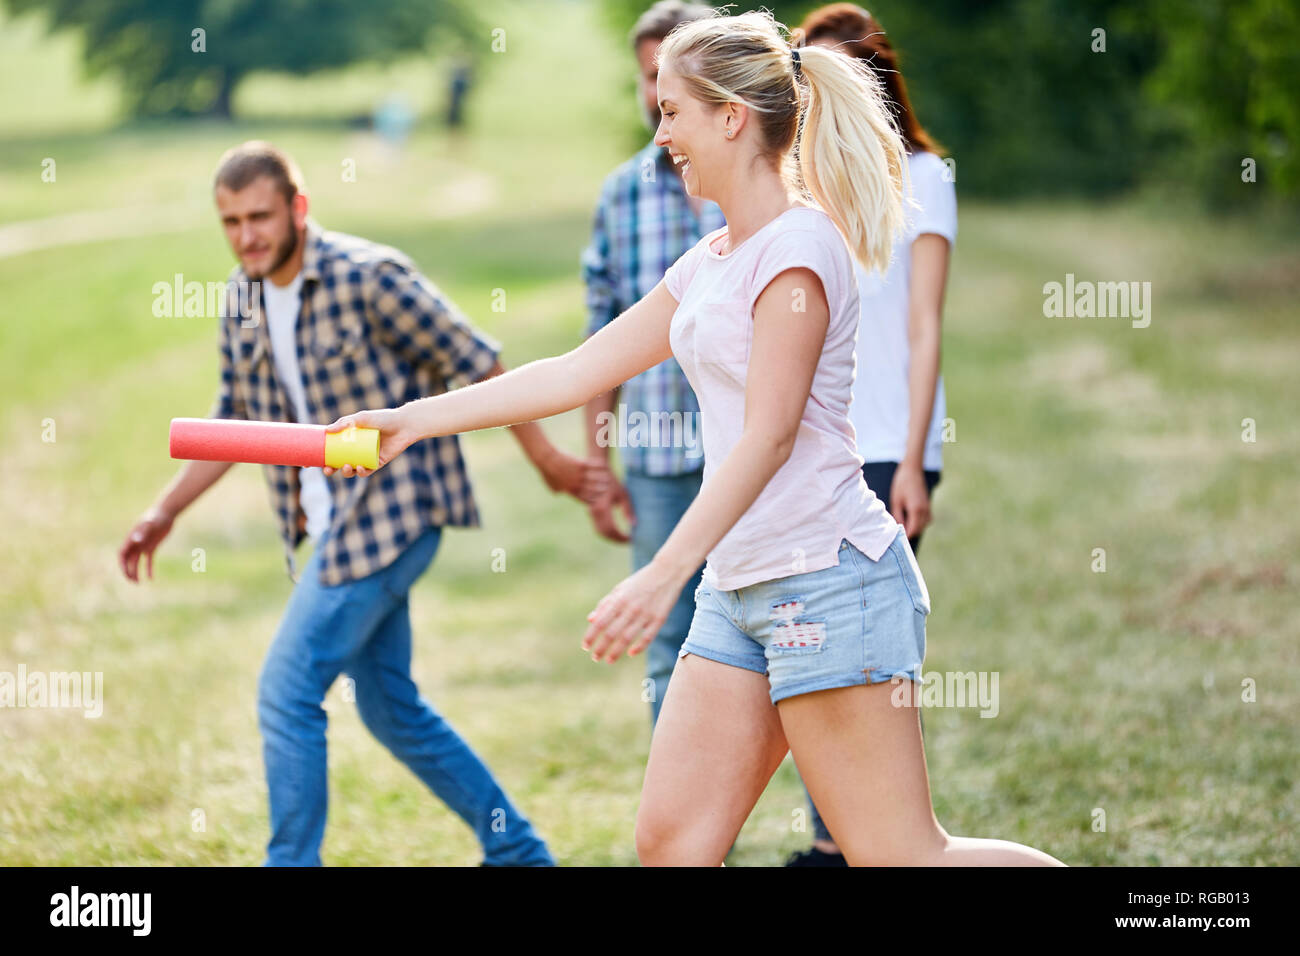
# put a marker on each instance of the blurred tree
(1231, 75)
(1095, 96)
(1012, 88)
(187, 56)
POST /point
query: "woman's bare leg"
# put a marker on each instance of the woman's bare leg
(716, 745)
(862, 760)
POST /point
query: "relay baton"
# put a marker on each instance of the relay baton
(273, 443)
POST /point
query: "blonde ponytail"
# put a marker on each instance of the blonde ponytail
(850, 155)
(849, 158)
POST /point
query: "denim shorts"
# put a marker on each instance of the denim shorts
(860, 622)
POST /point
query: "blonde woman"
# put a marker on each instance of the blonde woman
(811, 600)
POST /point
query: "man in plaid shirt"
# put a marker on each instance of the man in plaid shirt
(336, 325)
(644, 222)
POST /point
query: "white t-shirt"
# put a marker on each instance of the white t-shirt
(818, 497)
(881, 403)
(282, 307)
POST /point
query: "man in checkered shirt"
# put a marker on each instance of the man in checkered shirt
(333, 324)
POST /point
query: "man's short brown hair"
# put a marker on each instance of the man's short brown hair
(666, 16)
(243, 163)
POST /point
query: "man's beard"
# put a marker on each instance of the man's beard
(283, 253)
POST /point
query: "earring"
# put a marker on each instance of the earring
(730, 133)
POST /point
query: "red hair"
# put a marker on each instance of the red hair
(858, 34)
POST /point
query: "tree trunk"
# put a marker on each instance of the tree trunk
(221, 105)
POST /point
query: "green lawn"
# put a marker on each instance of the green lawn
(1120, 691)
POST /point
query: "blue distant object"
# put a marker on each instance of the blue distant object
(461, 78)
(394, 118)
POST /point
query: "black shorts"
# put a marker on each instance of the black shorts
(880, 478)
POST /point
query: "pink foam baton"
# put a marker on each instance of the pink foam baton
(273, 443)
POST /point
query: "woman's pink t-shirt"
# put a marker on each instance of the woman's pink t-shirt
(818, 497)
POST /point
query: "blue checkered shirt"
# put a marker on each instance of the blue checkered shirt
(371, 333)
(643, 224)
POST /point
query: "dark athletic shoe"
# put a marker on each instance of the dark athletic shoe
(815, 857)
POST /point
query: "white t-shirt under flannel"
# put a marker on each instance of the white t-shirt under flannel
(282, 307)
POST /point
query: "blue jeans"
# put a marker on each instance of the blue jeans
(659, 503)
(363, 629)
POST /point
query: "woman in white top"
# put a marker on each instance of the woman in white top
(898, 399)
(810, 622)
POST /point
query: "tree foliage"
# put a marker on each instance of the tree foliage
(1027, 100)
(186, 56)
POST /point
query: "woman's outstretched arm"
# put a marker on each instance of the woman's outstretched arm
(632, 343)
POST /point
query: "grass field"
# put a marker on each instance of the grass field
(1120, 691)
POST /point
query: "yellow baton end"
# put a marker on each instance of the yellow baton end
(358, 447)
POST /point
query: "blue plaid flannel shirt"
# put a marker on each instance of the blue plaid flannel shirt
(643, 224)
(372, 333)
